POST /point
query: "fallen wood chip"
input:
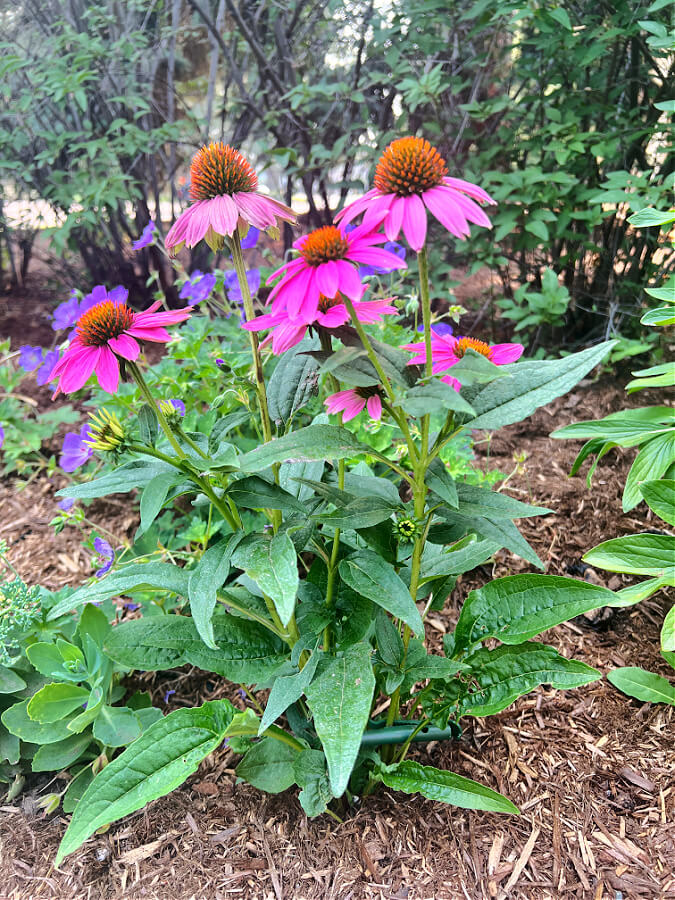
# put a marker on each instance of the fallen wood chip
(637, 779)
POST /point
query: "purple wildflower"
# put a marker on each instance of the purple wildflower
(66, 504)
(198, 287)
(106, 556)
(30, 357)
(132, 607)
(179, 406)
(242, 693)
(100, 293)
(167, 695)
(2, 435)
(48, 363)
(439, 328)
(232, 285)
(220, 362)
(75, 452)
(251, 238)
(391, 247)
(146, 237)
(67, 313)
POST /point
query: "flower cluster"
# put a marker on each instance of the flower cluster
(32, 358)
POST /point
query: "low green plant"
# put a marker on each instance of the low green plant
(652, 479)
(534, 310)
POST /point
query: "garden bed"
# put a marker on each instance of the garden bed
(592, 771)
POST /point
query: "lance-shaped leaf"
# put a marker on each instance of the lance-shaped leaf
(293, 382)
(254, 492)
(636, 554)
(370, 576)
(340, 697)
(626, 428)
(464, 556)
(645, 686)
(156, 763)
(362, 512)
(653, 460)
(273, 564)
(478, 501)
(204, 582)
(445, 787)
(315, 442)
(660, 497)
(246, 651)
(518, 607)
(131, 475)
(136, 577)
(531, 384)
(506, 673)
(434, 396)
(441, 482)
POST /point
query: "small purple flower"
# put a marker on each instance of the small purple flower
(48, 363)
(251, 238)
(232, 285)
(66, 504)
(146, 237)
(2, 435)
(439, 328)
(75, 452)
(179, 406)
(220, 362)
(391, 247)
(198, 287)
(67, 313)
(242, 693)
(106, 556)
(30, 357)
(132, 607)
(100, 293)
(167, 695)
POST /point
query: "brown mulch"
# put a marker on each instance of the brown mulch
(592, 771)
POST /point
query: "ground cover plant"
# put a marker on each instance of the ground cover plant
(330, 552)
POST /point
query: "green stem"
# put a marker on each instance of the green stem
(280, 735)
(188, 440)
(145, 390)
(227, 599)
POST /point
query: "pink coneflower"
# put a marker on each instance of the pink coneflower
(412, 177)
(225, 188)
(331, 313)
(327, 265)
(353, 401)
(104, 334)
(447, 350)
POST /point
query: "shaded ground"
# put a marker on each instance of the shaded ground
(592, 771)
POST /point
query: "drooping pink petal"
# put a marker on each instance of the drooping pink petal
(328, 278)
(350, 284)
(415, 222)
(352, 210)
(334, 316)
(125, 346)
(374, 405)
(262, 323)
(223, 214)
(149, 318)
(443, 206)
(473, 190)
(336, 401)
(154, 334)
(502, 354)
(352, 408)
(79, 369)
(393, 222)
(367, 230)
(275, 207)
(176, 235)
(377, 256)
(448, 379)
(287, 336)
(108, 370)
(369, 311)
(257, 214)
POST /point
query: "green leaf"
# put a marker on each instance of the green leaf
(668, 632)
(17, 721)
(293, 382)
(637, 554)
(148, 425)
(432, 397)
(340, 697)
(156, 763)
(479, 501)
(93, 624)
(137, 576)
(531, 384)
(247, 652)
(463, 557)
(474, 368)
(273, 564)
(625, 429)
(661, 316)
(254, 492)
(309, 769)
(362, 512)
(268, 766)
(561, 15)
(62, 754)
(10, 682)
(645, 218)
(203, 585)
(48, 661)
(287, 689)
(116, 726)
(445, 787)
(506, 673)
(315, 442)
(55, 701)
(153, 498)
(635, 593)
(645, 686)
(131, 475)
(653, 460)
(439, 480)
(371, 577)
(518, 607)
(660, 497)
